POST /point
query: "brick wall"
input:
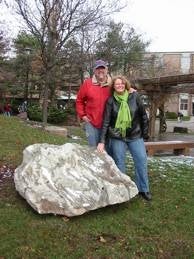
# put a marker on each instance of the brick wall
(172, 64)
(172, 104)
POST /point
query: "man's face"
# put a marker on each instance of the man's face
(101, 73)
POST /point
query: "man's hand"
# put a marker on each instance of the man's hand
(100, 147)
(85, 118)
(131, 90)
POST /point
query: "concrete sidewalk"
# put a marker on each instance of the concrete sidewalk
(170, 135)
(171, 124)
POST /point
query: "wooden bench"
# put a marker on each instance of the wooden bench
(179, 147)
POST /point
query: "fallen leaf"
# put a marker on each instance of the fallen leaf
(102, 239)
(66, 219)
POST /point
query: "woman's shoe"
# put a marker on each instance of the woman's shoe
(146, 195)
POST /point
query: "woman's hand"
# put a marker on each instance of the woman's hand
(100, 147)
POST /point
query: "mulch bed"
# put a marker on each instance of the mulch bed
(5, 173)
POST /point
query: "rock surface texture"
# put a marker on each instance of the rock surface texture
(70, 179)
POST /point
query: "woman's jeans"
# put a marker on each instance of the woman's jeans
(138, 152)
(93, 136)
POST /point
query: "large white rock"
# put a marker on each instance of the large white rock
(70, 179)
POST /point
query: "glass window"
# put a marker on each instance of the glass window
(185, 62)
(184, 104)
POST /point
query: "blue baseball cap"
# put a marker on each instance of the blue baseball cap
(100, 63)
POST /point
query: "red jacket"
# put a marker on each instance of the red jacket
(7, 107)
(90, 102)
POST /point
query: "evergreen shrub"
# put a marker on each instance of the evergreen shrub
(55, 115)
(34, 112)
(171, 115)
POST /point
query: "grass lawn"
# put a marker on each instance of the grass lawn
(163, 228)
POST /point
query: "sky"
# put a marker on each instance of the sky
(168, 24)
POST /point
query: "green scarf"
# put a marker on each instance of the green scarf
(124, 116)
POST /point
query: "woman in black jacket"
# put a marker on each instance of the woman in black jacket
(126, 125)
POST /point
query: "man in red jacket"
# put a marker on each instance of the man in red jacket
(91, 99)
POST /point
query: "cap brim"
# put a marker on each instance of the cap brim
(100, 66)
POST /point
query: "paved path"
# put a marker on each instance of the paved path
(171, 124)
(170, 135)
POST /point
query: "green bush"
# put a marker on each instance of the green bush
(186, 118)
(171, 115)
(15, 103)
(70, 111)
(54, 115)
(34, 112)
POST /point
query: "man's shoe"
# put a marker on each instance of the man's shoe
(146, 195)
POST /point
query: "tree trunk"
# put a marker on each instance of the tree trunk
(26, 85)
(153, 110)
(45, 100)
(163, 126)
(52, 95)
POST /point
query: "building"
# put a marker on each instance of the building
(159, 64)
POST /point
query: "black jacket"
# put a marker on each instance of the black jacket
(139, 128)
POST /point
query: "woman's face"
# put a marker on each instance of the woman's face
(119, 86)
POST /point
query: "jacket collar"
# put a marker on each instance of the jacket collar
(107, 83)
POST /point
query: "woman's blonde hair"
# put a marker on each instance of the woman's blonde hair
(123, 79)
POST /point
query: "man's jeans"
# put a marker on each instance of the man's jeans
(138, 152)
(93, 136)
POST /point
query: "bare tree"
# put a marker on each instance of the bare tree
(54, 22)
(88, 40)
